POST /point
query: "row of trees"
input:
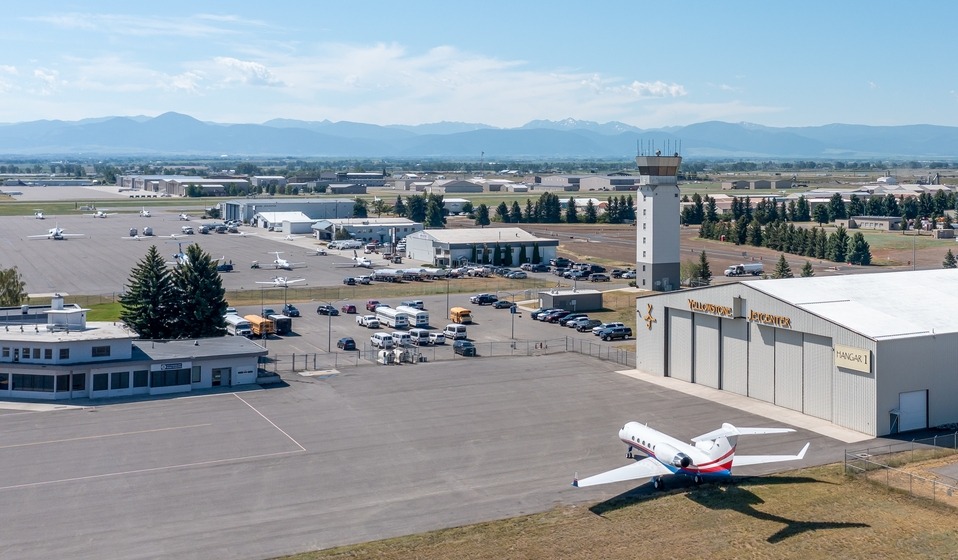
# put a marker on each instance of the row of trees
(548, 210)
(699, 273)
(781, 236)
(12, 287)
(187, 302)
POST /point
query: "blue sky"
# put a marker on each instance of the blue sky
(647, 64)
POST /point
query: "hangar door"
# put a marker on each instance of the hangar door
(680, 344)
(761, 362)
(735, 356)
(912, 410)
(707, 350)
(817, 385)
(788, 369)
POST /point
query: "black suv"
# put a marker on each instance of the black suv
(615, 333)
(290, 310)
(464, 348)
(483, 299)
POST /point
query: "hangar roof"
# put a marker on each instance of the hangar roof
(880, 305)
(483, 235)
(278, 217)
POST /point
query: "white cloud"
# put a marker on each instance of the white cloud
(48, 80)
(7, 69)
(246, 71)
(195, 26)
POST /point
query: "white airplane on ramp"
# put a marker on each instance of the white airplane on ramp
(711, 457)
(280, 262)
(56, 233)
(101, 214)
(282, 281)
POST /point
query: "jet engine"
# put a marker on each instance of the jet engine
(668, 454)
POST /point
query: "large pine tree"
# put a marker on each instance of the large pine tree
(202, 298)
(950, 260)
(591, 214)
(859, 252)
(782, 269)
(149, 302)
(704, 271)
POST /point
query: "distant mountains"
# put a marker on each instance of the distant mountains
(174, 134)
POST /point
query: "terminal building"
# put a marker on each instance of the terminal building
(53, 353)
(876, 353)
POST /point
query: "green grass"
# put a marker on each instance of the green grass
(104, 312)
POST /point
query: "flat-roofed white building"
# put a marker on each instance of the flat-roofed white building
(875, 353)
(449, 247)
(380, 230)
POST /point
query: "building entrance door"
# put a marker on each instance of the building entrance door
(221, 377)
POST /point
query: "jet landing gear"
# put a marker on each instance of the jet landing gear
(628, 454)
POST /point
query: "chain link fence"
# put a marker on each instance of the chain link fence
(909, 467)
(323, 361)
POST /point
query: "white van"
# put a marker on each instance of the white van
(419, 337)
(455, 332)
(401, 338)
(382, 340)
(415, 304)
(437, 338)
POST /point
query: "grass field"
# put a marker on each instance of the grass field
(806, 514)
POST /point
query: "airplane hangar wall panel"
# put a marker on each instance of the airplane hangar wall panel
(707, 350)
(680, 344)
(788, 369)
(761, 362)
(735, 356)
(817, 391)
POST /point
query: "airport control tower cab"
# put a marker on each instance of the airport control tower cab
(657, 222)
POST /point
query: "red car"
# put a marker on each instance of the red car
(348, 308)
(371, 304)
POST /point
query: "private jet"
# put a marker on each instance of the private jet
(56, 233)
(282, 281)
(184, 217)
(358, 261)
(711, 457)
(289, 237)
(280, 262)
(243, 233)
(38, 214)
(144, 213)
(101, 214)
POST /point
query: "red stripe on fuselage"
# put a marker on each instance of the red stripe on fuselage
(723, 463)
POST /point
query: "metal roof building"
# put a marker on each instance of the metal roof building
(446, 247)
(875, 353)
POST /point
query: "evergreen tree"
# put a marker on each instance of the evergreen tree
(697, 209)
(909, 208)
(199, 289)
(591, 215)
(754, 235)
(12, 287)
(435, 212)
(399, 208)
(838, 245)
(836, 208)
(630, 208)
(802, 211)
(874, 207)
(711, 210)
(502, 213)
(950, 261)
(528, 215)
(536, 257)
(807, 270)
(612, 210)
(856, 207)
(859, 252)
(475, 253)
(467, 208)
(482, 215)
(891, 206)
(821, 214)
(507, 255)
(741, 230)
(416, 205)
(704, 272)
(792, 213)
(523, 257)
(782, 270)
(497, 256)
(571, 214)
(359, 208)
(515, 213)
(149, 302)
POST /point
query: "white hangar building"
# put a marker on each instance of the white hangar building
(876, 353)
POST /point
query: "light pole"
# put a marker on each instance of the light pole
(512, 310)
(329, 323)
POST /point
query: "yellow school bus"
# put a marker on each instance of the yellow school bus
(260, 325)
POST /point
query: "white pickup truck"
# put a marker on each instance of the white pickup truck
(368, 321)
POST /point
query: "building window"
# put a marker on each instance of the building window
(643, 268)
(63, 383)
(101, 381)
(643, 254)
(120, 380)
(28, 382)
(169, 378)
(643, 240)
(141, 378)
(36, 353)
(4, 381)
(64, 353)
(6, 351)
(101, 352)
(25, 353)
(48, 353)
(643, 281)
(643, 210)
(79, 382)
(197, 374)
(643, 225)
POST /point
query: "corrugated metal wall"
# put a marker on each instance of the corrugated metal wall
(817, 392)
(761, 362)
(707, 350)
(735, 356)
(680, 344)
(788, 369)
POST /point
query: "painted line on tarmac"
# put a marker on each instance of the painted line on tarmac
(271, 422)
(101, 436)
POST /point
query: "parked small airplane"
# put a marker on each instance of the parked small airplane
(38, 214)
(289, 237)
(184, 217)
(144, 213)
(101, 214)
(56, 233)
(711, 457)
(243, 233)
(283, 281)
(280, 262)
(361, 261)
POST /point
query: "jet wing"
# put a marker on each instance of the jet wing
(743, 460)
(728, 430)
(645, 468)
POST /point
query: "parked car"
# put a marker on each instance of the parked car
(570, 318)
(349, 281)
(464, 348)
(587, 325)
(596, 330)
(371, 304)
(231, 311)
(483, 299)
(382, 340)
(348, 308)
(560, 262)
(224, 267)
(327, 309)
(517, 275)
(364, 280)
(290, 310)
(437, 338)
(560, 271)
(599, 277)
(556, 316)
(502, 304)
(615, 333)
(346, 343)
(617, 273)
(629, 274)
(267, 312)
(541, 311)
(368, 321)
(576, 275)
(539, 268)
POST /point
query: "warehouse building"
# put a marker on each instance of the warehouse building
(449, 247)
(314, 207)
(875, 353)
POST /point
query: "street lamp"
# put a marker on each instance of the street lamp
(512, 310)
(329, 323)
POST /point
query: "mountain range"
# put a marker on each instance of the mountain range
(174, 134)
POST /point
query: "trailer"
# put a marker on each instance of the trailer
(742, 269)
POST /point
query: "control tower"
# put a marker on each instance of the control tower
(657, 223)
